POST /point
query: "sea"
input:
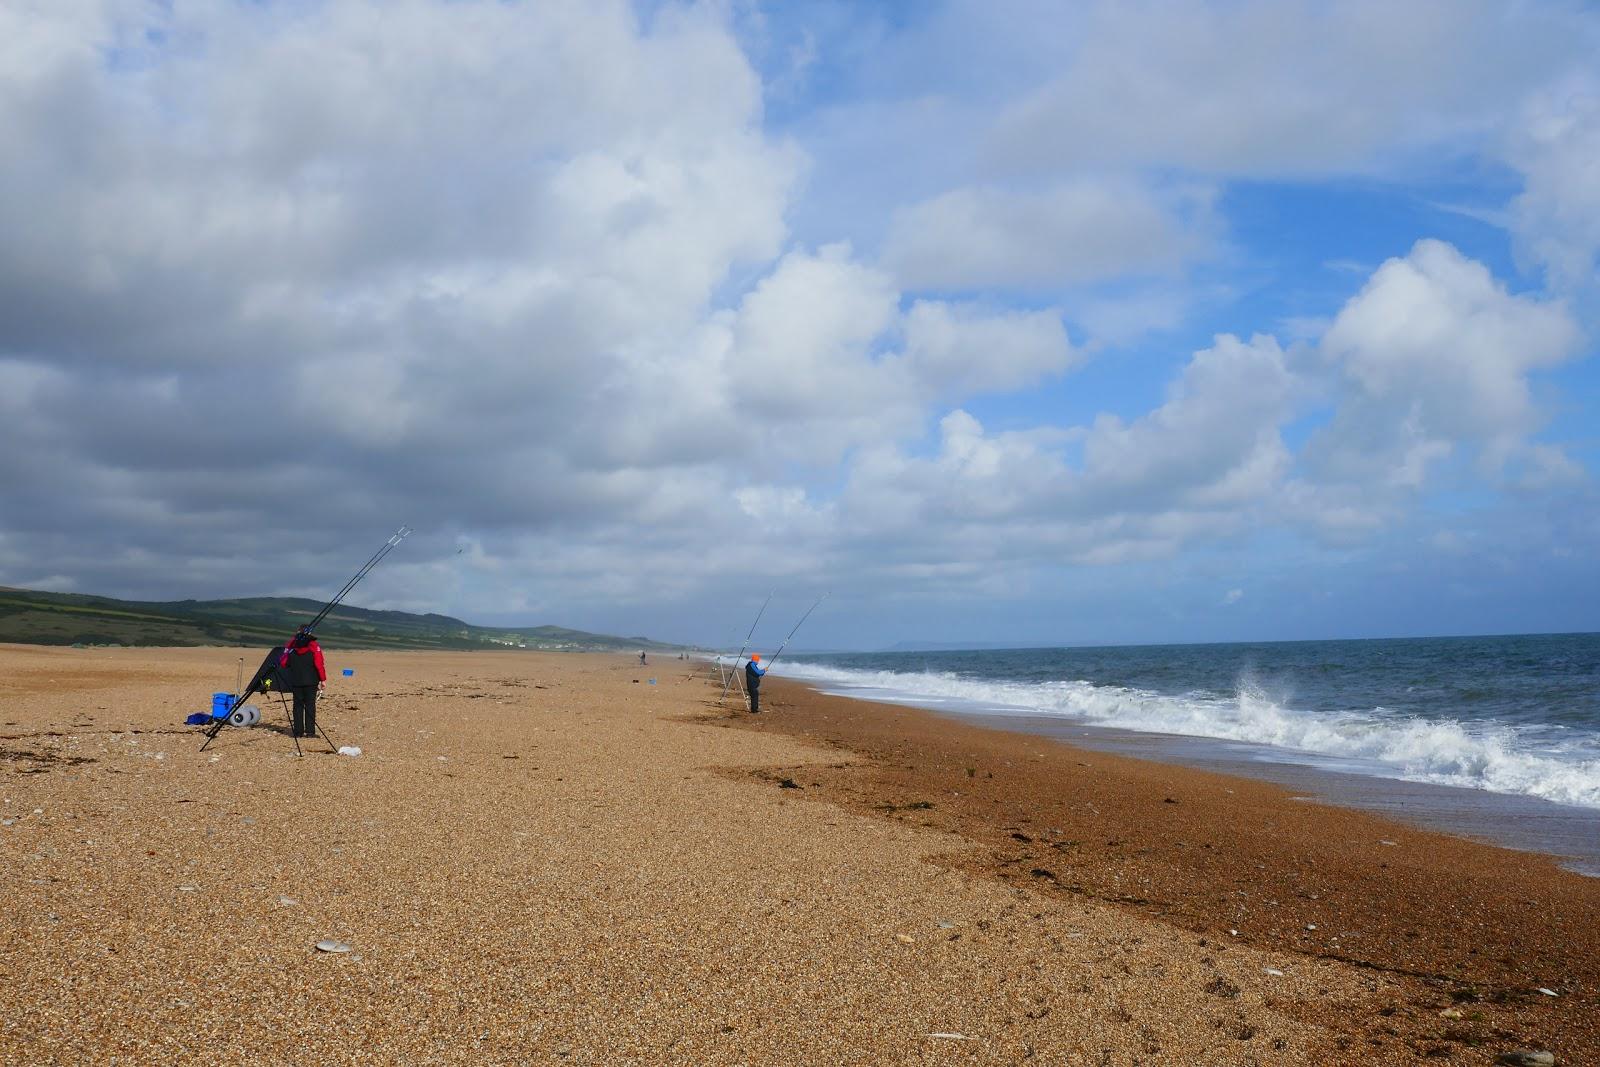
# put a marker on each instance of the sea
(1495, 738)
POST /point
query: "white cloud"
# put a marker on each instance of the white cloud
(1215, 442)
(1556, 144)
(1086, 229)
(1277, 88)
(963, 349)
(1436, 353)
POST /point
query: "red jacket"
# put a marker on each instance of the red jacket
(299, 668)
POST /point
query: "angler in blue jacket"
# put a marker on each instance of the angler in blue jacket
(753, 673)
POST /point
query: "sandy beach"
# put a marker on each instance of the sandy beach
(561, 858)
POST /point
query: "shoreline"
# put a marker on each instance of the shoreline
(1570, 835)
(1214, 853)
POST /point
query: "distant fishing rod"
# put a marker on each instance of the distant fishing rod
(796, 629)
(729, 679)
(377, 557)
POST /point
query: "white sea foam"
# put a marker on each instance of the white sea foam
(1498, 758)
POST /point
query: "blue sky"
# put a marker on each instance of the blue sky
(1005, 321)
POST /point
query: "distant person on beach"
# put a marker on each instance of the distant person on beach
(753, 673)
(641, 659)
(307, 675)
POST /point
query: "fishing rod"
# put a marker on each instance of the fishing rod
(796, 629)
(729, 679)
(267, 673)
(377, 557)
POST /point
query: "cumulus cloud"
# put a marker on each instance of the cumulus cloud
(1556, 145)
(1197, 467)
(962, 349)
(1214, 442)
(1087, 229)
(401, 255)
(1278, 88)
(1436, 354)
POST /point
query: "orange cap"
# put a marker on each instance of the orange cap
(755, 658)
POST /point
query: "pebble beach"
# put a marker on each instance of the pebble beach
(575, 859)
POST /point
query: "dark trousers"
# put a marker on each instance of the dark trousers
(305, 711)
(755, 700)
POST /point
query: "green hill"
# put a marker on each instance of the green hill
(37, 618)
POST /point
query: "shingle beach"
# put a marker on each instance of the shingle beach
(576, 859)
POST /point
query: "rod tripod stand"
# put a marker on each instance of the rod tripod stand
(288, 713)
(732, 679)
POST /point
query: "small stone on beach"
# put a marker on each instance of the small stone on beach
(1526, 1057)
(329, 945)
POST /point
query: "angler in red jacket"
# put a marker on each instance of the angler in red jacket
(302, 658)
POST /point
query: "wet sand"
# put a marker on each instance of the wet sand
(547, 859)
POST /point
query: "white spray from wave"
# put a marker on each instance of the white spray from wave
(1501, 759)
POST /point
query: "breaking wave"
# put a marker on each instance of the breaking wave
(1555, 765)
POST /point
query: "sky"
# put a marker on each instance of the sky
(1002, 321)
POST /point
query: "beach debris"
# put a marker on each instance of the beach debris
(1311, 926)
(349, 750)
(1450, 1013)
(330, 945)
(288, 902)
(950, 1036)
(1548, 992)
(1526, 1057)
(1388, 842)
(946, 926)
(1273, 970)
(188, 889)
(905, 939)
(1233, 933)
(788, 783)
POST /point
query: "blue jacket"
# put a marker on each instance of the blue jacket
(752, 674)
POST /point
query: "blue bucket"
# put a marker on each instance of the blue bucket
(349, 672)
(220, 703)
